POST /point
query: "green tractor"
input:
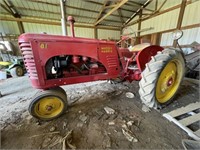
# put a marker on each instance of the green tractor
(13, 65)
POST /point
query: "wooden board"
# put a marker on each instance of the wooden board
(189, 118)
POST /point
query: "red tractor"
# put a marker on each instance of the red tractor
(52, 61)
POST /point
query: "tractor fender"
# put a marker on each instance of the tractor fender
(144, 56)
(13, 65)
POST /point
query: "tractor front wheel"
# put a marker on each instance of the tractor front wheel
(48, 104)
(161, 78)
(17, 71)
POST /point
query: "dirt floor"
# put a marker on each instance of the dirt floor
(86, 125)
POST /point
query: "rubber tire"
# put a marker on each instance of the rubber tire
(151, 75)
(45, 93)
(13, 71)
(59, 89)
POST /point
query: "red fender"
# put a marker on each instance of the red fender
(144, 56)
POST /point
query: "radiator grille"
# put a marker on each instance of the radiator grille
(28, 59)
(112, 62)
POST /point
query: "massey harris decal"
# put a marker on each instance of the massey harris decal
(106, 49)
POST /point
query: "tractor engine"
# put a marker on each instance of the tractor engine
(71, 66)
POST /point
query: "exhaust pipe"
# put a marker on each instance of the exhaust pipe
(63, 19)
(71, 22)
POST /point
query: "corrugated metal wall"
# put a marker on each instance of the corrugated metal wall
(161, 22)
(84, 32)
(189, 35)
(192, 14)
(39, 28)
(168, 4)
(9, 27)
(169, 20)
(108, 34)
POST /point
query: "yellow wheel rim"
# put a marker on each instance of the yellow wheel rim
(19, 71)
(169, 81)
(48, 107)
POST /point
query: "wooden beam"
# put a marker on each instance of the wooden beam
(12, 9)
(101, 11)
(110, 6)
(135, 3)
(171, 30)
(136, 13)
(54, 23)
(161, 6)
(111, 11)
(21, 27)
(52, 12)
(158, 13)
(15, 14)
(95, 32)
(180, 18)
(5, 8)
(140, 22)
(57, 13)
(181, 14)
(120, 15)
(67, 6)
(156, 5)
(139, 4)
(98, 3)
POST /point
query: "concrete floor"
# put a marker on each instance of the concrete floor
(89, 99)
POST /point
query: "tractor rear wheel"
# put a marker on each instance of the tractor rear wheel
(161, 78)
(48, 105)
(17, 71)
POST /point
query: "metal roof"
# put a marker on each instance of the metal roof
(84, 11)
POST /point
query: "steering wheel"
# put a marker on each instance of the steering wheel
(128, 33)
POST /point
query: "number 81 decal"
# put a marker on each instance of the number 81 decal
(43, 45)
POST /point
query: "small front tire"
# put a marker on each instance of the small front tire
(17, 71)
(48, 105)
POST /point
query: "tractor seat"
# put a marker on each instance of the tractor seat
(138, 47)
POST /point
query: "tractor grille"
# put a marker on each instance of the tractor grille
(28, 59)
(112, 63)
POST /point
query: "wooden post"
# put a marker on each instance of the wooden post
(180, 18)
(139, 27)
(21, 27)
(95, 32)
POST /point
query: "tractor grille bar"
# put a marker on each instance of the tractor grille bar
(28, 59)
(112, 62)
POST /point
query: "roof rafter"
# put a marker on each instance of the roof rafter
(136, 13)
(53, 23)
(120, 15)
(67, 6)
(5, 8)
(10, 7)
(57, 13)
(15, 14)
(121, 3)
(102, 9)
(138, 4)
(98, 3)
